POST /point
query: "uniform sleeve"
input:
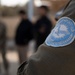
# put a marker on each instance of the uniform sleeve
(29, 67)
(21, 69)
(34, 64)
(70, 10)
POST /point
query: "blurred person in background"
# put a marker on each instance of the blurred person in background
(3, 46)
(23, 36)
(43, 25)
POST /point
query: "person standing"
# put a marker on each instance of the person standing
(43, 25)
(3, 46)
(23, 35)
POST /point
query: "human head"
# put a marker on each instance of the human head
(22, 14)
(43, 10)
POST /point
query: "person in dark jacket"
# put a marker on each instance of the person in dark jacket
(57, 55)
(43, 25)
(23, 36)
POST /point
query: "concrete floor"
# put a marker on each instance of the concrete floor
(12, 57)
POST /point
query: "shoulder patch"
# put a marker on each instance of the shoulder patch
(63, 33)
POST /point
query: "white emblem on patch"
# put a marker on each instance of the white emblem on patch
(63, 34)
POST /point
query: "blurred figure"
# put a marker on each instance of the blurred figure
(3, 45)
(23, 36)
(43, 25)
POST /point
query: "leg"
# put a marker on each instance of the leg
(5, 62)
(0, 65)
(22, 51)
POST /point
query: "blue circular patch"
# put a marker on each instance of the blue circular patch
(63, 34)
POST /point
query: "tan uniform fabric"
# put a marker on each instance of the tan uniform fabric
(50, 61)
